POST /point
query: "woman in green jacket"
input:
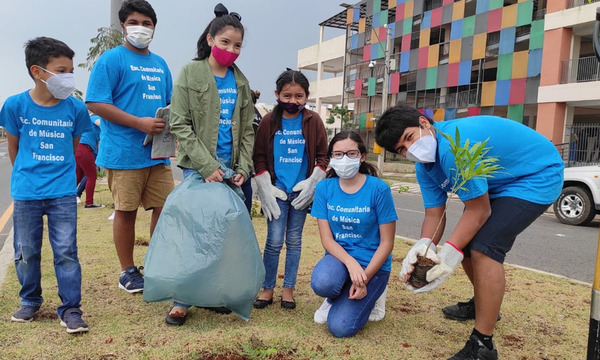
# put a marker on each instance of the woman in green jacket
(212, 112)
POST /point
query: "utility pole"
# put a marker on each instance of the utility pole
(115, 5)
(389, 46)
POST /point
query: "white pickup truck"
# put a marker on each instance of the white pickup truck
(579, 201)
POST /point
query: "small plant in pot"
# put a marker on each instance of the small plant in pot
(471, 162)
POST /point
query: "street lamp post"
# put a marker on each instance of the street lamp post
(384, 93)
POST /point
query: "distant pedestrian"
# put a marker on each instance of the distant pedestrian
(247, 185)
(43, 128)
(357, 223)
(86, 171)
(290, 158)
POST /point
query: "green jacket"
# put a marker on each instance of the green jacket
(195, 113)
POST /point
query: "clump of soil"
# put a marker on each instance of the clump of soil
(418, 278)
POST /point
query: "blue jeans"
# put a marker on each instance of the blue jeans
(62, 232)
(290, 225)
(346, 317)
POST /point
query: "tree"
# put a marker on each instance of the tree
(345, 115)
(106, 39)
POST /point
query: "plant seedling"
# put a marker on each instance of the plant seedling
(471, 162)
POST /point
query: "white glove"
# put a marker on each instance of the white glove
(267, 193)
(408, 264)
(307, 189)
(449, 258)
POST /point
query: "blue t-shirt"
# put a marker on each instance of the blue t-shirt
(355, 218)
(92, 136)
(289, 155)
(138, 84)
(532, 168)
(228, 93)
(45, 164)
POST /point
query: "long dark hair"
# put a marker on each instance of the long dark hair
(365, 167)
(215, 27)
(288, 77)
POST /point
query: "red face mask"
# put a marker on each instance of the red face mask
(224, 58)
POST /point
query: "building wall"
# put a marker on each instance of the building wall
(450, 58)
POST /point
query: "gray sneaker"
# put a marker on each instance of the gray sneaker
(25, 313)
(72, 320)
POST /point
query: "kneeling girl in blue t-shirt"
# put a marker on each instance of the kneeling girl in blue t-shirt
(357, 224)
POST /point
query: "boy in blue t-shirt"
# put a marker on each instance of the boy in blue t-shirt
(126, 87)
(497, 208)
(43, 127)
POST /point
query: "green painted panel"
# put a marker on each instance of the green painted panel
(515, 112)
(381, 46)
(524, 13)
(383, 18)
(362, 121)
(504, 66)
(431, 78)
(376, 6)
(468, 26)
(536, 37)
(407, 26)
(496, 4)
(371, 86)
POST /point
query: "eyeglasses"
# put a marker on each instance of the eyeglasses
(352, 154)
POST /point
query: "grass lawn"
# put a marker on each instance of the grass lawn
(543, 317)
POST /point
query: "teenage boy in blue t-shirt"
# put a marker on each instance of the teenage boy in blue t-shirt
(126, 87)
(43, 127)
(497, 208)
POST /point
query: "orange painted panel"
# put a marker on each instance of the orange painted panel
(519, 65)
(409, 9)
(362, 25)
(509, 16)
(424, 38)
(458, 10)
(349, 16)
(454, 55)
(374, 36)
(479, 44)
(488, 93)
(391, 4)
(434, 55)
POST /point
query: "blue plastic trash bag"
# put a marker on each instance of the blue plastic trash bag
(204, 250)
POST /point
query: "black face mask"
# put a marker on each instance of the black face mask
(291, 108)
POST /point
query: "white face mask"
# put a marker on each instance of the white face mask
(60, 85)
(423, 150)
(345, 167)
(139, 36)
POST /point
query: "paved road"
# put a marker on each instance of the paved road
(547, 245)
(5, 199)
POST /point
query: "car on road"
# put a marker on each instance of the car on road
(579, 201)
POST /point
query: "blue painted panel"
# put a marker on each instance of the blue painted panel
(464, 73)
(404, 61)
(502, 92)
(456, 29)
(507, 41)
(534, 64)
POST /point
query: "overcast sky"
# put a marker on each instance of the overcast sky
(275, 31)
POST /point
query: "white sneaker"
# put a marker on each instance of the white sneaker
(378, 312)
(112, 216)
(78, 200)
(320, 316)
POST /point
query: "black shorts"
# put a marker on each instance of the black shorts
(510, 216)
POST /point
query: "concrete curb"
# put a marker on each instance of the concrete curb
(6, 256)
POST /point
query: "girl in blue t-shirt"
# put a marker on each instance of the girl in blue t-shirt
(212, 114)
(290, 158)
(357, 224)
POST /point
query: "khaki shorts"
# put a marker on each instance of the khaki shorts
(148, 186)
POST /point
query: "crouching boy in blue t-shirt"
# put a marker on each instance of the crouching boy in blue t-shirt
(43, 127)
